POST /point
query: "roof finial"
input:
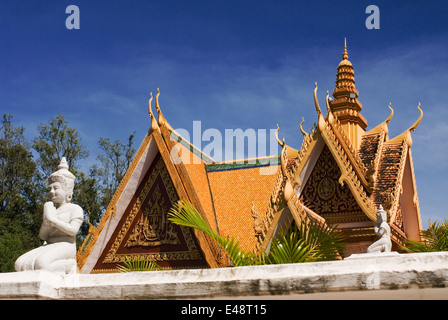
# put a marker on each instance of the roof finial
(281, 143)
(415, 125)
(301, 129)
(161, 120)
(154, 124)
(391, 113)
(345, 54)
(316, 103)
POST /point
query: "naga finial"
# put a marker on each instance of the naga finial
(154, 125)
(149, 105)
(162, 119)
(281, 143)
(415, 125)
(391, 113)
(316, 103)
(327, 102)
(301, 129)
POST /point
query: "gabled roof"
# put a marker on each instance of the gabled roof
(157, 141)
(249, 199)
(226, 194)
(374, 172)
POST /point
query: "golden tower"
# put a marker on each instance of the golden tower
(346, 106)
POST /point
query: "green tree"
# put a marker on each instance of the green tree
(56, 140)
(434, 239)
(114, 162)
(19, 194)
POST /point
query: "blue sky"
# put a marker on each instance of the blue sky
(230, 64)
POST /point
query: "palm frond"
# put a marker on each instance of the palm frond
(130, 265)
(288, 247)
(434, 239)
(185, 214)
(311, 242)
(325, 241)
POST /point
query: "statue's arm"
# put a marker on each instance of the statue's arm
(71, 228)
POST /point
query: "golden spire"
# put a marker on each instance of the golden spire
(346, 106)
(345, 78)
(345, 53)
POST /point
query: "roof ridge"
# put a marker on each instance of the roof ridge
(179, 138)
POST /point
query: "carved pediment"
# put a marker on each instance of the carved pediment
(145, 232)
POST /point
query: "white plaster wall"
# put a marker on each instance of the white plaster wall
(414, 275)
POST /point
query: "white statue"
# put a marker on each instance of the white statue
(60, 224)
(383, 230)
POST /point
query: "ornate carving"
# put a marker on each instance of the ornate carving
(323, 194)
(258, 222)
(326, 188)
(152, 229)
(353, 172)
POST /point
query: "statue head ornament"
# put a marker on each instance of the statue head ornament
(63, 176)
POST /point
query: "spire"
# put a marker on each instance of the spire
(345, 54)
(345, 78)
(345, 105)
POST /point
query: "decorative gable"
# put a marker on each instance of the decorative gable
(145, 233)
(324, 195)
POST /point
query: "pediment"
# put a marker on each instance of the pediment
(324, 195)
(144, 231)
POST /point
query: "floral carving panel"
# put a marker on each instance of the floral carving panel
(145, 233)
(326, 196)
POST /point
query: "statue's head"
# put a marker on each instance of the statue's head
(62, 179)
(381, 215)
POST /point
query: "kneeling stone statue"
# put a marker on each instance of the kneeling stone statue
(60, 224)
(383, 230)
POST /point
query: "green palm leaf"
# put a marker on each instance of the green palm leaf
(311, 242)
(326, 242)
(185, 214)
(290, 248)
(130, 265)
(434, 239)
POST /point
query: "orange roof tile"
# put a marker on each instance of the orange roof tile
(234, 190)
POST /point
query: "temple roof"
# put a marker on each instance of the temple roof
(248, 199)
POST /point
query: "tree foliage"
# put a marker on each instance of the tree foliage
(56, 140)
(24, 174)
(113, 165)
(434, 239)
(19, 196)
